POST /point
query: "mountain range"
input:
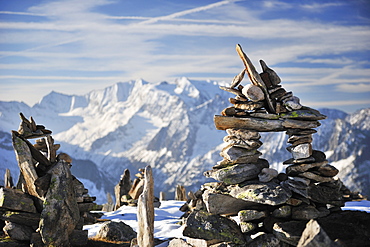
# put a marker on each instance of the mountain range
(168, 125)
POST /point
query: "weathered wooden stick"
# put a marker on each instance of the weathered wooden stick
(145, 234)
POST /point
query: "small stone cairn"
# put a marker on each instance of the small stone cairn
(127, 193)
(48, 206)
(263, 200)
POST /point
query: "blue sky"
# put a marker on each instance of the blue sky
(320, 49)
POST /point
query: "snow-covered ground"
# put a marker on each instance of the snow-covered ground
(168, 215)
(166, 219)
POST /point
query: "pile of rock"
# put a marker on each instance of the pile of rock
(49, 206)
(128, 192)
(263, 200)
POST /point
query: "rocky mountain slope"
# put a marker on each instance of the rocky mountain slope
(168, 125)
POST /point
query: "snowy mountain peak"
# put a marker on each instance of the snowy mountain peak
(185, 87)
(168, 125)
(55, 102)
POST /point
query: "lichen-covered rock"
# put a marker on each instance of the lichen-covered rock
(116, 231)
(223, 204)
(265, 193)
(249, 215)
(238, 173)
(203, 225)
(60, 214)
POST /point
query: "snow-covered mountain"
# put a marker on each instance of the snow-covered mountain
(168, 125)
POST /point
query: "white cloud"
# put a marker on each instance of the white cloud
(317, 7)
(193, 41)
(354, 88)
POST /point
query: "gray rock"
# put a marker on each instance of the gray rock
(237, 173)
(297, 185)
(316, 178)
(177, 242)
(243, 143)
(293, 104)
(253, 93)
(247, 227)
(201, 242)
(289, 232)
(116, 231)
(244, 134)
(203, 225)
(237, 154)
(224, 204)
(249, 215)
(322, 193)
(17, 231)
(264, 193)
(314, 236)
(305, 212)
(293, 170)
(16, 200)
(267, 174)
(326, 170)
(284, 211)
(60, 214)
(122, 188)
(241, 160)
(303, 114)
(301, 151)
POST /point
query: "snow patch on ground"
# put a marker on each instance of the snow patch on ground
(167, 217)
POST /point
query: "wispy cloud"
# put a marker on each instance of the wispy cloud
(20, 13)
(316, 7)
(354, 88)
(197, 41)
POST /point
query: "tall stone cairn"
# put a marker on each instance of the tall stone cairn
(262, 198)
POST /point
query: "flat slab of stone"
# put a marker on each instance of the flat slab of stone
(303, 114)
(223, 204)
(203, 225)
(262, 125)
(300, 168)
(16, 200)
(265, 193)
(237, 173)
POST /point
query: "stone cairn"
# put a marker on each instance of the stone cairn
(264, 201)
(127, 193)
(48, 206)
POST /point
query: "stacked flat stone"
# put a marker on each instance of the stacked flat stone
(263, 200)
(241, 160)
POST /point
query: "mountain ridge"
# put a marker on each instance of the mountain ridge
(168, 125)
